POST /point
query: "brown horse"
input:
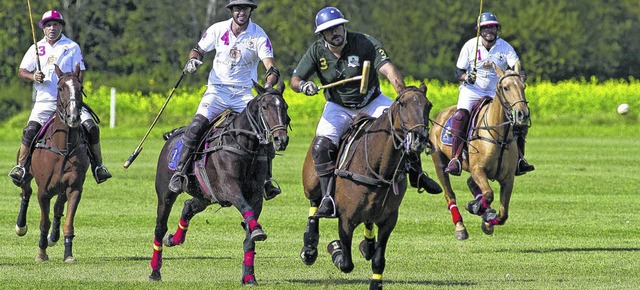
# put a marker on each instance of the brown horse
(492, 152)
(59, 166)
(225, 173)
(370, 181)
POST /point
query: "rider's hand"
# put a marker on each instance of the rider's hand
(309, 88)
(471, 77)
(38, 77)
(192, 65)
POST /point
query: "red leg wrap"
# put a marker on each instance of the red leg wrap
(250, 220)
(181, 232)
(156, 260)
(455, 213)
(248, 258)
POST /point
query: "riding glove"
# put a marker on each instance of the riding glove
(471, 77)
(308, 88)
(192, 65)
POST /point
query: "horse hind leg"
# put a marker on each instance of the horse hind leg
(309, 252)
(190, 209)
(368, 245)
(165, 203)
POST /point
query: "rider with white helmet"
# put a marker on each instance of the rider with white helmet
(478, 80)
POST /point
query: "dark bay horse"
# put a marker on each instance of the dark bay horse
(492, 152)
(370, 181)
(59, 165)
(225, 173)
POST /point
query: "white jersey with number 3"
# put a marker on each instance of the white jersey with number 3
(237, 57)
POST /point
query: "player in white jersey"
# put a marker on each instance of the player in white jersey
(479, 81)
(239, 46)
(54, 49)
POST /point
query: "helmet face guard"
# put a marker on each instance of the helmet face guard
(329, 17)
(49, 16)
(488, 19)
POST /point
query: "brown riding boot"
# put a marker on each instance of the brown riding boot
(100, 172)
(18, 172)
(459, 131)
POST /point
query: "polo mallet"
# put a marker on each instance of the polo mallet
(135, 153)
(33, 32)
(477, 36)
(364, 79)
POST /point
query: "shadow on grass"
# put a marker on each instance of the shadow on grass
(570, 250)
(338, 282)
(147, 258)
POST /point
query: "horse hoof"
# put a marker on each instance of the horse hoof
(249, 280)
(309, 255)
(70, 260)
(375, 285)
(51, 243)
(168, 240)
(258, 235)
(21, 231)
(367, 248)
(487, 228)
(461, 232)
(475, 207)
(41, 258)
(155, 276)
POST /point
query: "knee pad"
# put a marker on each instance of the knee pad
(198, 126)
(30, 132)
(323, 150)
(92, 130)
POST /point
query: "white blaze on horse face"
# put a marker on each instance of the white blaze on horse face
(73, 116)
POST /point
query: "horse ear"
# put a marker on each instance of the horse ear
(423, 88)
(58, 71)
(258, 87)
(281, 87)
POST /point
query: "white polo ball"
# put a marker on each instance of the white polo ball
(623, 109)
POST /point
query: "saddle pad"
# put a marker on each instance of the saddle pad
(175, 155)
(446, 137)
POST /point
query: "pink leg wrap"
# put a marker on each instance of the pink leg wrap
(181, 232)
(251, 220)
(248, 258)
(455, 213)
(156, 260)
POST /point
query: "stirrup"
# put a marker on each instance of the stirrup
(271, 191)
(327, 208)
(178, 182)
(17, 174)
(101, 174)
(454, 167)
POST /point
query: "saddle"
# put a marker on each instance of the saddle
(447, 137)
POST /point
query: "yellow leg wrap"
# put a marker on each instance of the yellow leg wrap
(157, 248)
(376, 277)
(370, 234)
(182, 227)
(312, 210)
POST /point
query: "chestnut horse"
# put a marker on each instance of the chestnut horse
(492, 152)
(226, 174)
(59, 165)
(370, 181)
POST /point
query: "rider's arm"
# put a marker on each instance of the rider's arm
(393, 75)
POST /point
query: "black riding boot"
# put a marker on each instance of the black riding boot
(418, 178)
(270, 191)
(190, 138)
(459, 132)
(100, 172)
(19, 171)
(523, 165)
(324, 155)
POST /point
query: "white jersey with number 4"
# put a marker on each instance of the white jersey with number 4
(236, 60)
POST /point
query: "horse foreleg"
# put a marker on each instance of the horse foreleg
(45, 223)
(191, 208)
(378, 262)
(165, 203)
(479, 204)
(311, 236)
(21, 221)
(440, 161)
(69, 230)
(368, 245)
(248, 246)
(491, 218)
(340, 250)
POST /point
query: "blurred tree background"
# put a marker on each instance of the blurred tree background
(142, 45)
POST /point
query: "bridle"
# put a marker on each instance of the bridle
(263, 131)
(402, 137)
(507, 108)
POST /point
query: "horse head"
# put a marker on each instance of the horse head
(69, 101)
(409, 116)
(272, 112)
(510, 93)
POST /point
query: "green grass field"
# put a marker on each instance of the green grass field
(574, 224)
